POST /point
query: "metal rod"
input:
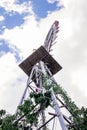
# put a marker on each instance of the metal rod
(46, 122)
(41, 87)
(70, 124)
(74, 115)
(57, 110)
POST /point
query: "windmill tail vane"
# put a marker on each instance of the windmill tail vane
(51, 36)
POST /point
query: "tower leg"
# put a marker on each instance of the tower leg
(53, 98)
(57, 110)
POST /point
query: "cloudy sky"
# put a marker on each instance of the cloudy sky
(23, 27)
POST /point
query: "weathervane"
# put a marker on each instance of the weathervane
(41, 64)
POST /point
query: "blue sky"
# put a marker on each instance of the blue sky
(24, 25)
(41, 8)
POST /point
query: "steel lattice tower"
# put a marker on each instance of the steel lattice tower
(42, 63)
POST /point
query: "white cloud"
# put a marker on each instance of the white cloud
(79, 77)
(12, 5)
(52, 1)
(25, 37)
(59, 2)
(11, 88)
(1, 18)
(70, 50)
(0, 43)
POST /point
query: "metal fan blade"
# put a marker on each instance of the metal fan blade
(51, 36)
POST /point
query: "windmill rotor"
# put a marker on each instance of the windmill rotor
(51, 36)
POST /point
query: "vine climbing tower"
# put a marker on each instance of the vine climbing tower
(44, 91)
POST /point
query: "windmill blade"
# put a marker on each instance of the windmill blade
(51, 36)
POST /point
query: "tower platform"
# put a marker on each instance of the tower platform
(40, 55)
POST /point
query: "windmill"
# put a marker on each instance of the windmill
(40, 67)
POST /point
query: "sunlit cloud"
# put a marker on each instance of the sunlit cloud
(1, 18)
(13, 6)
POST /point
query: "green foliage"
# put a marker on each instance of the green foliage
(2, 112)
(32, 118)
(26, 107)
(39, 98)
(29, 112)
(79, 117)
(42, 99)
(7, 123)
